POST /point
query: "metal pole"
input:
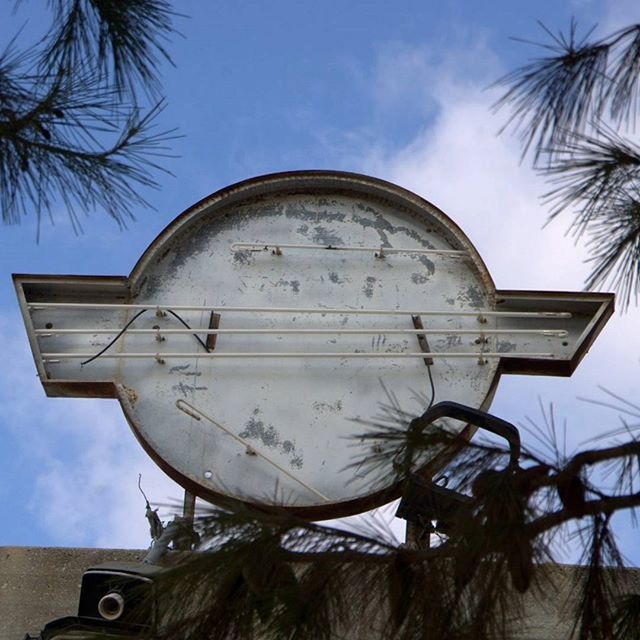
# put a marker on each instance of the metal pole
(549, 333)
(479, 313)
(50, 357)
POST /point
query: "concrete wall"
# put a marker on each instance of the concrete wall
(38, 585)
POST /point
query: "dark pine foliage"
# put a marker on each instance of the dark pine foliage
(269, 575)
(568, 108)
(72, 128)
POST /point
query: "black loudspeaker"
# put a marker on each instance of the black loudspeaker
(116, 599)
(119, 592)
(431, 506)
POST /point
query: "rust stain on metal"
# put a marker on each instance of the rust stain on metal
(422, 339)
(337, 279)
(472, 295)
(214, 323)
(130, 394)
(504, 346)
(322, 235)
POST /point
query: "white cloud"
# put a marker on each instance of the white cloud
(82, 456)
(90, 496)
(475, 176)
(459, 164)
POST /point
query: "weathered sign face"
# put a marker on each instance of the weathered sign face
(258, 330)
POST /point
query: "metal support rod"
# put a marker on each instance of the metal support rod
(551, 333)
(478, 313)
(422, 338)
(296, 354)
(268, 246)
(185, 542)
(198, 414)
(189, 506)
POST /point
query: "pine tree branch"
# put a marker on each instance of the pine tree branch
(122, 40)
(599, 177)
(627, 617)
(553, 98)
(43, 157)
(607, 505)
(65, 133)
(259, 571)
(559, 106)
(590, 170)
(615, 247)
(558, 94)
(624, 75)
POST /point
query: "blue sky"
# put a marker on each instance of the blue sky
(397, 90)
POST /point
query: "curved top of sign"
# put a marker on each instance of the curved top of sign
(268, 324)
(327, 183)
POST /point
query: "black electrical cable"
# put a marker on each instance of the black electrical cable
(126, 326)
(433, 388)
(197, 337)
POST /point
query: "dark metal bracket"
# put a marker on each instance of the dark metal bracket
(214, 323)
(422, 339)
(431, 507)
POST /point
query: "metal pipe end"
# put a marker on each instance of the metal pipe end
(111, 606)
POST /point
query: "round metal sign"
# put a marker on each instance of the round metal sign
(320, 282)
(266, 326)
